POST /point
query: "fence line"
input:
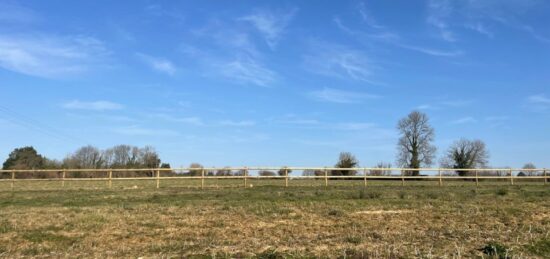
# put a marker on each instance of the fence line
(323, 174)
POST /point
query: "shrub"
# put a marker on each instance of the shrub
(496, 250)
(335, 213)
(502, 192)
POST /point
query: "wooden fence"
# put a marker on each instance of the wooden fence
(321, 173)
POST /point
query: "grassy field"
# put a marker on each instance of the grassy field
(385, 220)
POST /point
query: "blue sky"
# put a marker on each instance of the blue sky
(274, 82)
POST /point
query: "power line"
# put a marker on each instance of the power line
(35, 125)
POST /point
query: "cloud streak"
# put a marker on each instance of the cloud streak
(338, 61)
(271, 25)
(51, 56)
(159, 64)
(340, 96)
(92, 106)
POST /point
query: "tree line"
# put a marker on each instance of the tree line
(415, 149)
(87, 157)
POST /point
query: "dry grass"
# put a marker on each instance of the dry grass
(273, 221)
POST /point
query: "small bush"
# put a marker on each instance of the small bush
(335, 213)
(496, 250)
(502, 192)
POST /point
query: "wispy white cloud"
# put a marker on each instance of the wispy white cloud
(439, 11)
(93, 105)
(159, 64)
(367, 17)
(340, 96)
(538, 99)
(270, 24)
(247, 71)
(187, 120)
(136, 130)
(538, 103)
(51, 56)
(244, 123)
(480, 28)
(432, 51)
(293, 120)
(338, 61)
(355, 126)
(386, 36)
(229, 55)
(464, 120)
(456, 103)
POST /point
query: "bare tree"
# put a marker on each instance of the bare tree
(415, 144)
(383, 169)
(196, 169)
(266, 173)
(284, 171)
(529, 171)
(346, 160)
(466, 154)
(85, 157)
(226, 171)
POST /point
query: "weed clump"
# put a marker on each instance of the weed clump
(496, 250)
(335, 213)
(502, 192)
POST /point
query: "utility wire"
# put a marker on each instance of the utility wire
(35, 125)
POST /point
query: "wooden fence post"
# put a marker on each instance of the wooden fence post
(63, 181)
(511, 177)
(286, 177)
(245, 176)
(202, 178)
(440, 178)
(158, 178)
(545, 177)
(365, 177)
(402, 178)
(110, 179)
(326, 177)
(12, 179)
(477, 179)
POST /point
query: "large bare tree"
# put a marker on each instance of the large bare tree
(466, 154)
(415, 144)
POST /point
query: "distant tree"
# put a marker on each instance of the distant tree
(309, 172)
(196, 169)
(415, 147)
(345, 160)
(24, 158)
(466, 154)
(240, 172)
(224, 172)
(382, 169)
(165, 165)
(266, 173)
(88, 157)
(283, 171)
(529, 172)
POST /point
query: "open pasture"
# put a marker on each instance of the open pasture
(345, 219)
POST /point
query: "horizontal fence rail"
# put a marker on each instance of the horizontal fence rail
(284, 173)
